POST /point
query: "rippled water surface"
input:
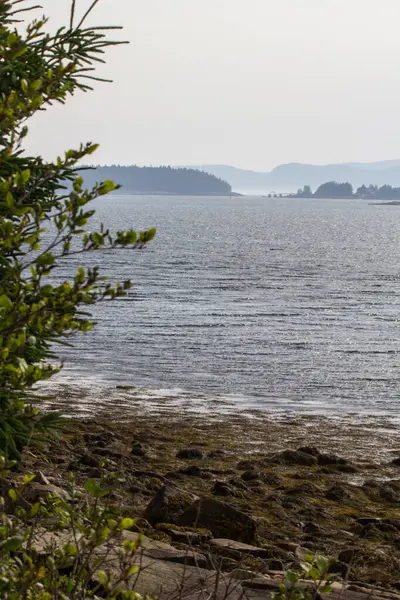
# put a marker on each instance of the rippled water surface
(279, 304)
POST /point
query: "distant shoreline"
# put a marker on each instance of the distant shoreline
(121, 192)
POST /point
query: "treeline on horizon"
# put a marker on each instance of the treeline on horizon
(333, 189)
(158, 180)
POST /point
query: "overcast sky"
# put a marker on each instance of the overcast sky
(251, 83)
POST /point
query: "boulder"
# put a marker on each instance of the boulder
(312, 450)
(190, 454)
(168, 504)
(183, 557)
(294, 457)
(222, 519)
(222, 489)
(246, 549)
(326, 460)
(191, 471)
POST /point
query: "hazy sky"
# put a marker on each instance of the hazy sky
(252, 83)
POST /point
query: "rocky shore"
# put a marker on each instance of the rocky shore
(251, 494)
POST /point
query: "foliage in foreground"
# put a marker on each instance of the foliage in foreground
(316, 569)
(65, 548)
(44, 213)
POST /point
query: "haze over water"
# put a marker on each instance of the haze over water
(283, 304)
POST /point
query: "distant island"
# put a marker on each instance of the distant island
(287, 178)
(333, 189)
(159, 180)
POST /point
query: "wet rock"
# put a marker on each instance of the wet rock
(312, 528)
(331, 460)
(251, 476)
(222, 489)
(168, 505)
(138, 450)
(271, 478)
(238, 483)
(306, 489)
(216, 454)
(191, 471)
(337, 493)
(247, 465)
(190, 454)
(349, 469)
(368, 521)
(294, 457)
(222, 519)
(389, 494)
(312, 450)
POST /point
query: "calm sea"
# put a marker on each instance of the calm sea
(282, 304)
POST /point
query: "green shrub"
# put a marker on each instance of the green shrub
(44, 212)
(315, 570)
(63, 548)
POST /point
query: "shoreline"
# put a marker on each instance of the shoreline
(341, 492)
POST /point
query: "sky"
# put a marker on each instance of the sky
(250, 83)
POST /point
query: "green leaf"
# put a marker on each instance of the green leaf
(127, 523)
(13, 495)
(13, 544)
(5, 302)
(322, 564)
(93, 488)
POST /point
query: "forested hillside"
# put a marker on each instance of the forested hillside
(160, 180)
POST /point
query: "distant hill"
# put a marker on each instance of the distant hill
(290, 177)
(159, 180)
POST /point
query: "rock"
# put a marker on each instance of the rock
(87, 460)
(276, 565)
(368, 521)
(221, 489)
(396, 462)
(216, 454)
(139, 450)
(36, 491)
(251, 476)
(247, 465)
(222, 519)
(271, 478)
(312, 529)
(389, 494)
(294, 457)
(40, 478)
(183, 557)
(246, 549)
(312, 450)
(347, 555)
(167, 506)
(261, 582)
(191, 471)
(330, 459)
(191, 454)
(337, 493)
(288, 546)
(187, 537)
(243, 574)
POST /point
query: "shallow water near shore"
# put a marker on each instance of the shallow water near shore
(283, 305)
